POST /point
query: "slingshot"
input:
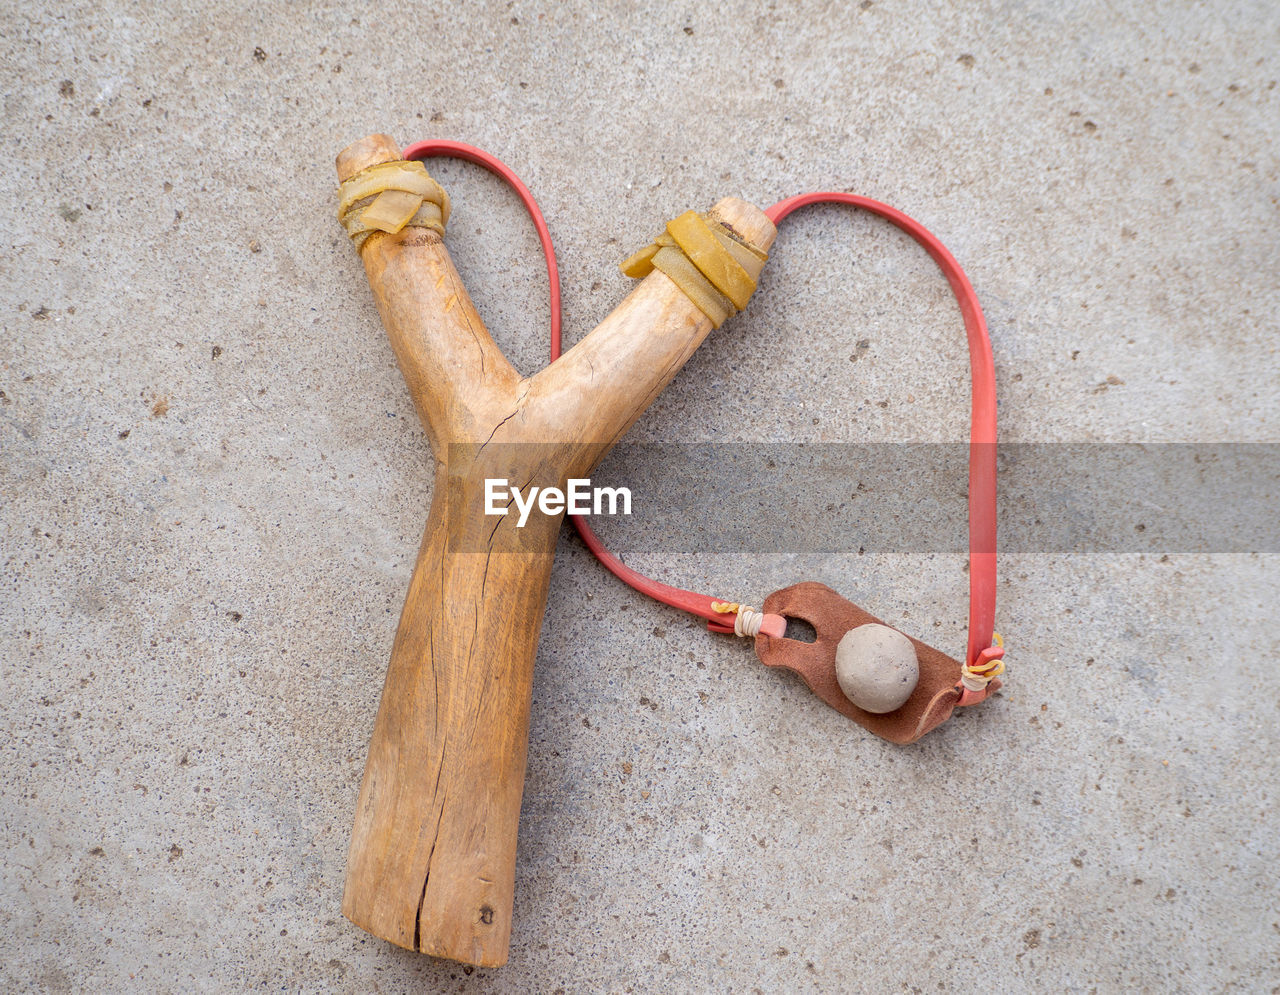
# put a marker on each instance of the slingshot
(432, 860)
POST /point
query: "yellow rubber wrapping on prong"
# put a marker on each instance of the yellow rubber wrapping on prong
(716, 262)
(411, 177)
(696, 287)
(391, 210)
(714, 267)
(390, 196)
(750, 259)
(640, 264)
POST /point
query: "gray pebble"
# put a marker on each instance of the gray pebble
(876, 667)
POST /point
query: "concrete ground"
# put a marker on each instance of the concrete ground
(214, 482)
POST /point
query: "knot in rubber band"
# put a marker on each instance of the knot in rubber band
(707, 260)
(990, 664)
(390, 197)
(747, 621)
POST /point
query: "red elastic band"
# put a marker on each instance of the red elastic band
(982, 454)
(982, 424)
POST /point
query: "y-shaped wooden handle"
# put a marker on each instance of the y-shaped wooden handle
(432, 862)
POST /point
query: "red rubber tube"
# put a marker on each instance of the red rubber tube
(982, 451)
(982, 424)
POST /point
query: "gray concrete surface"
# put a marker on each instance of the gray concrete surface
(213, 484)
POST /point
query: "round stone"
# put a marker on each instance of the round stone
(876, 667)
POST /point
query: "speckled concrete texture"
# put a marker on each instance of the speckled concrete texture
(213, 484)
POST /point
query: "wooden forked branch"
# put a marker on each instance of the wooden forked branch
(432, 860)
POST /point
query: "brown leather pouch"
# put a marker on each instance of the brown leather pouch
(831, 616)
